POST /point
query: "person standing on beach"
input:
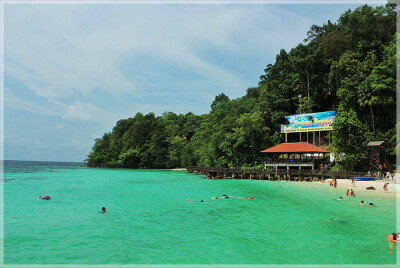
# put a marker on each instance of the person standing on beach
(353, 181)
(385, 187)
(334, 183)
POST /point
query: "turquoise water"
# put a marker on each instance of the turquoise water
(149, 220)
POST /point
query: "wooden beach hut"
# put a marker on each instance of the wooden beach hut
(295, 155)
(86, 162)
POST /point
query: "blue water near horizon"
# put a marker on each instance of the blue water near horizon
(149, 220)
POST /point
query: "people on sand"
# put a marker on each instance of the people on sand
(334, 183)
(385, 187)
(103, 210)
(46, 197)
(194, 201)
(362, 203)
(353, 181)
(331, 183)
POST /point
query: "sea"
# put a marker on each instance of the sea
(150, 221)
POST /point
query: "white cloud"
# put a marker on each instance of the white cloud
(58, 51)
(13, 101)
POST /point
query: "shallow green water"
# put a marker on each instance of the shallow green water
(149, 220)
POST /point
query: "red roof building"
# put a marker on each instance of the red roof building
(296, 147)
(295, 155)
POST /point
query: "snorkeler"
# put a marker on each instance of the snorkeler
(194, 201)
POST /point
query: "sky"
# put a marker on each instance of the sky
(72, 70)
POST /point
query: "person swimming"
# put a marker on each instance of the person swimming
(103, 210)
(352, 193)
(194, 201)
(362, 203)
(334, 220)
(214, 197)
(340, 198)
(46, 197)
(371, 204)
(347, 192)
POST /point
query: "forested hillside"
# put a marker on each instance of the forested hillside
(348, 66)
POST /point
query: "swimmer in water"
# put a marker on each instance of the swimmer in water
(347, 192)
(103, 210)
(340, 198)
(334, 220)
(46, 197)
(214, 197)
(362, 203)
(371, 204)
(194, 201)
(352, 193)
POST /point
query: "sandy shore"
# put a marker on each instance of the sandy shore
(360, 186)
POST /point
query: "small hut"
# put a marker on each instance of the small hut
(86, 162)
(377, 159)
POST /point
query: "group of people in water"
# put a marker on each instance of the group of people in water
(46, 197)
(223, 196)
(350, 193)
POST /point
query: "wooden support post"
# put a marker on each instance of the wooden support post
(313, 138)
(329, 135)
(319, 143)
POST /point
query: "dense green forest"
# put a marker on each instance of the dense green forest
(348, 66)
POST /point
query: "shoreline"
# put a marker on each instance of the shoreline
(360, 186)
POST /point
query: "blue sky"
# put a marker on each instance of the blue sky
(71, 71)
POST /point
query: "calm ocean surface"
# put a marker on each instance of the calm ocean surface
(149, 220)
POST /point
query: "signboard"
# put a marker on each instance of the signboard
(308, 122)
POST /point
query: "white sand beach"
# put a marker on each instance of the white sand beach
(360, 186)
